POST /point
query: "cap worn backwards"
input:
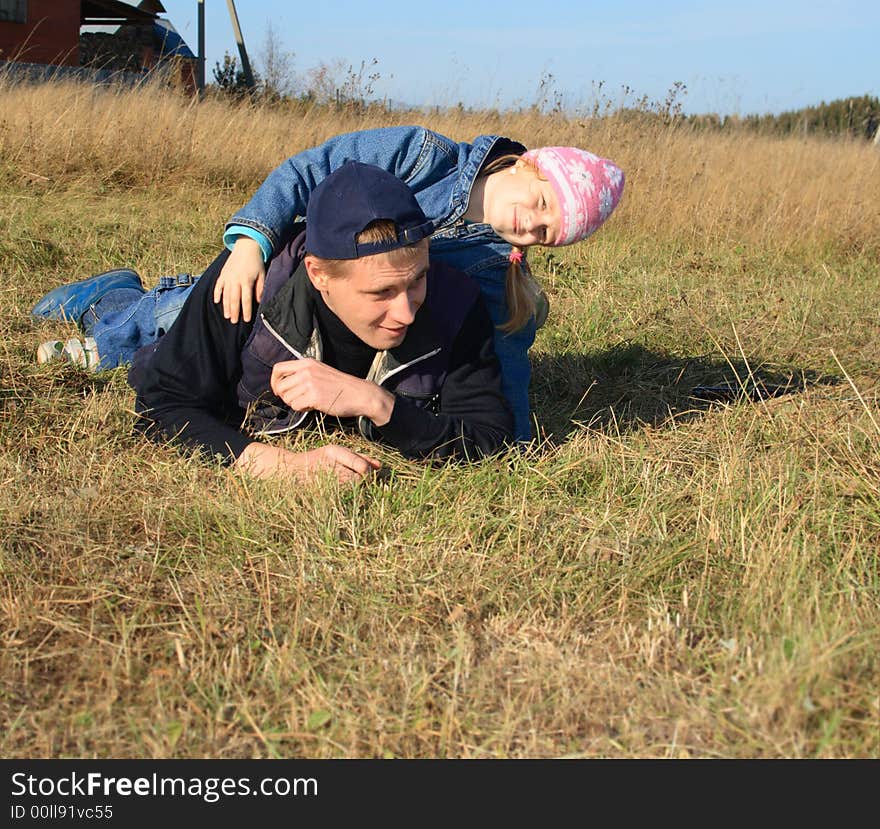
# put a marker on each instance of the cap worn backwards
(352, 197)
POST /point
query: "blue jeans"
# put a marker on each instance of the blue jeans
(125, 319)
(477, 251)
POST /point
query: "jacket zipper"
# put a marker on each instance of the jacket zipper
(299, 356)
(365, 425)
(302, 415)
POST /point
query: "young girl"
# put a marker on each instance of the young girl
(490, 200)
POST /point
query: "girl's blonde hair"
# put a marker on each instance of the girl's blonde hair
(520, 300)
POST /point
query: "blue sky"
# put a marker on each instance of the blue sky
(743, 57)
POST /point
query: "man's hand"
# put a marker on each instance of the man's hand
(310, 385)
(241, 279)
(263, 461)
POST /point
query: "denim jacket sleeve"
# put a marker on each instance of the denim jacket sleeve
(416, 155)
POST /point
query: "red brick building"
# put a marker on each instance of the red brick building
(40, 31)
(109, 35)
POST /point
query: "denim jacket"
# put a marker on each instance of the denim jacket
(441, 173)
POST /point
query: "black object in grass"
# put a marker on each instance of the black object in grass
(383, 474)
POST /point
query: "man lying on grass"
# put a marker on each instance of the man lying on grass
(353, 323)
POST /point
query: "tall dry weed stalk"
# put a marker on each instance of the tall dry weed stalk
(772, 192)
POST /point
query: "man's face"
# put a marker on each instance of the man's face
(377, 297)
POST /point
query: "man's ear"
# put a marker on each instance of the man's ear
(316, 273)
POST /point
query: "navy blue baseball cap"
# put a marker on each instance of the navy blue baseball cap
(345, 202)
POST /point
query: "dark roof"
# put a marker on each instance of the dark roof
(109, 12)
(170, 43)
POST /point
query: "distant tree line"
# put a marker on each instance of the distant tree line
(855, 117)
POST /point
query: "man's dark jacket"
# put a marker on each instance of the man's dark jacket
(205, 383)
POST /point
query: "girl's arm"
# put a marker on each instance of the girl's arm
(241, 280)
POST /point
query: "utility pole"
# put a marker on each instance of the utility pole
(200, 71)
(245, 63)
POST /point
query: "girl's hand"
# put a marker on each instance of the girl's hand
(241, 279)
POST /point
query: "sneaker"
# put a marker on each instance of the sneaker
(70, 302)
(81, 353)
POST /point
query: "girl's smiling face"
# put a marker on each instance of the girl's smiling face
(522, 207)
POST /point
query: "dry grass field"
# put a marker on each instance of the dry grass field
(659, 576)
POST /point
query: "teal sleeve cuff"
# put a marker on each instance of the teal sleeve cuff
(234, 231)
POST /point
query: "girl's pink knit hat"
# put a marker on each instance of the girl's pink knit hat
(587, 187)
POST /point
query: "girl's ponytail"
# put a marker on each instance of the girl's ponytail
(520, 300)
